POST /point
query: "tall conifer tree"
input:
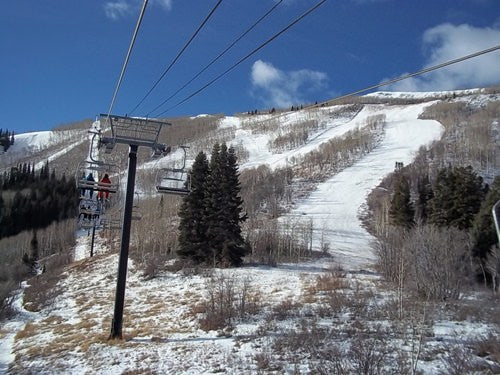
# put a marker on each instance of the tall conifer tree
(424, 195)
(483, 227)
(401, 211)
(234, 246)
(192, 227)
(214, 203)
(458, 194)
(210, 229)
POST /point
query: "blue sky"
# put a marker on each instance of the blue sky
(60, 59)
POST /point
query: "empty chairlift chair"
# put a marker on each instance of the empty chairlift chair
(174, 181)
(89, 213)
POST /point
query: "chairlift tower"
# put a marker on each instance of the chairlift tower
(134, 132)
(495, 210)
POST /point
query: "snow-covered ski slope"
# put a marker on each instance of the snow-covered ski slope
(334, 206)
(65, 141)
(164, 333)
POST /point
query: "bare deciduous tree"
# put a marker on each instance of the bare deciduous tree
(493, 266)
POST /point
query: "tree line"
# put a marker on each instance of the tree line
(6, 139)
(438, 232)
(32, 200)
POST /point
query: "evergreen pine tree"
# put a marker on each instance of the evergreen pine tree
(210, 215)
(401, 211)
(424, 195)
(458, 194)
(44, 172)
(34, 255)
(2, 214)
(192, 227)
(483, 227)
(214, 203)
(234, 246)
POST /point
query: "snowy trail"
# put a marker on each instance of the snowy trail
(9, 329)
(335, 205)
(257, 144)
(64, 151)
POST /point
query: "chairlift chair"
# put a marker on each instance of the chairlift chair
(111, 224)
(91, 212)
(97, 168)
(176, 181)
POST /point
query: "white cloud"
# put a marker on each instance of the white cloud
(123, 8)
(447, 42)
(117, 9)
(165, 4)
(279, 88)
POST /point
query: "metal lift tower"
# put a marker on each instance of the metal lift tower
(134, 132)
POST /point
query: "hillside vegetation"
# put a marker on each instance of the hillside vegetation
(369, 250)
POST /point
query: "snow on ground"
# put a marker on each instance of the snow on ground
(29, 141)
(473, 97)
(335, 205)
(35, 141)
(10, 328)
(160, 323)
(26, 143)
(257, 144)
(162, 331)
(423, 95)
(57, 154)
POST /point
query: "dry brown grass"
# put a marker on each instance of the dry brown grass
(488, 347)
(29, 330)
(286, 309)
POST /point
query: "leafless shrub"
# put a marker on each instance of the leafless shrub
(6, 298)
(368, 353)
(329, 281)
(55, 244)
(263, 361)
(338, 153)
(227, 299)
(439, 262)
(388, 248)
(493, 267)
(308, 337)
(296, 137)
(458, 361)
(430, 260)
(332, 361)
(155, 237)
(273, 242)
(265, 191)
(285, 309)
(488, 347)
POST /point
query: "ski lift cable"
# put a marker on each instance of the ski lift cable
(136, 31)
(244, 58)
(178, 55)
(410, 75)
(390, 81)
(218, 57)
